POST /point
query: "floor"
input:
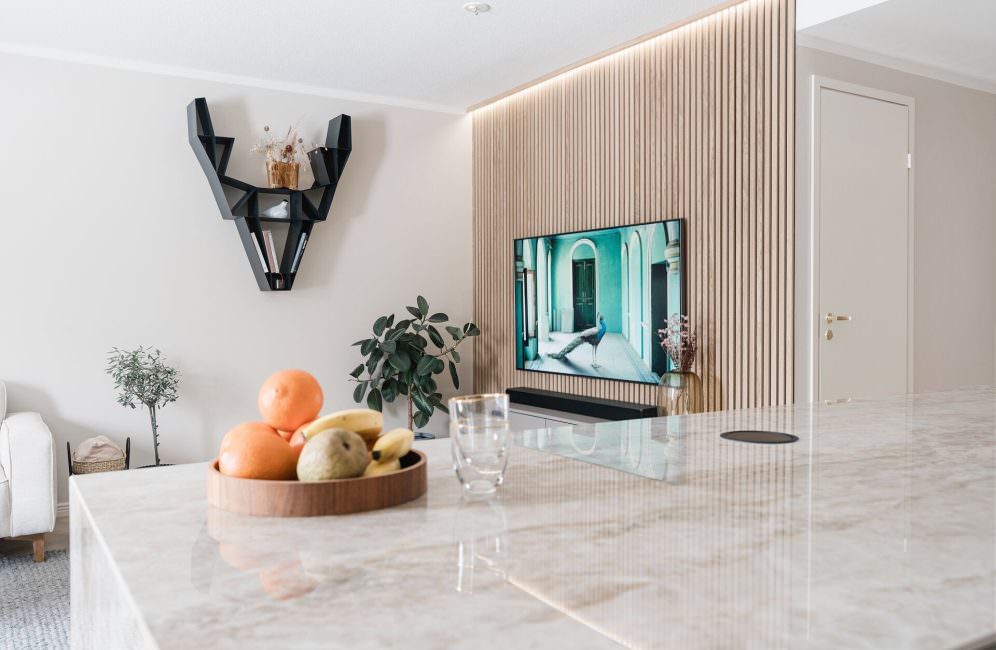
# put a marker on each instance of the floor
(57, 540)
(616, 359)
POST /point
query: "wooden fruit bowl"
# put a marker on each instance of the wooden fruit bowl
(312, 499)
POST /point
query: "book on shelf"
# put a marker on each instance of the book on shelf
(271, 251)
(301, 243)
(259, 251)
(271, 256)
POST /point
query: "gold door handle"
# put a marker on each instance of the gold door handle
(831, 317)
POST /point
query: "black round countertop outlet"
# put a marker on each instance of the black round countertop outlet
(760, 437)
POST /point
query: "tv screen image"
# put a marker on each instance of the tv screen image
(590, 303)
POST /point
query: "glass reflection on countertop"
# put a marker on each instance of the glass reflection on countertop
(652, 449)
(480, 534)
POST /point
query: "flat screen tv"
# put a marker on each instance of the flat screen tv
(590, 303)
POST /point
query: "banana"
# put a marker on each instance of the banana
(366, 422)
(392, 445)
(376, 469)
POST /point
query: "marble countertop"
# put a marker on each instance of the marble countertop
(876, 529)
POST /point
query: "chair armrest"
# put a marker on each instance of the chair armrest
(27, 454)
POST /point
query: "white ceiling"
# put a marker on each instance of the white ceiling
(424, 52)
(953, 36)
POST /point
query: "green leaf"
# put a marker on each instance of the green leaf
(454, 376)
(357, 371)
(390, 320)
(455, 355)
(428, 385)
(437, 366)
(421, 419)
(438, 317)
(388, 346)
(422, 404)
(471, 329)
(454, 332)
(368, 346)
(423, 306)
(379, 325)
(358, 392)
(396, 333)
(374, 401)
(400, 361)
(437, 340)
(374, 359)
(414, 311)
(390, 390)
(425, 365)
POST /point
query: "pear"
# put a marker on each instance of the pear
(332, 454)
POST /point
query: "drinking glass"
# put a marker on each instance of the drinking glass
(479, 434)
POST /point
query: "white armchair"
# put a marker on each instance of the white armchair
(27, 477)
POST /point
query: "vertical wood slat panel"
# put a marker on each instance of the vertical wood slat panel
(695, 123)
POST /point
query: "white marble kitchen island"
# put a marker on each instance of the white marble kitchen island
(876, 529)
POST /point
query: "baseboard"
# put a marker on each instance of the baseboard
(62, 509)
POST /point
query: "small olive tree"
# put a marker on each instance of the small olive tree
(400, 360)
(141, 376)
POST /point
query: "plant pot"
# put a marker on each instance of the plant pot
(281, 174)
(679, 392)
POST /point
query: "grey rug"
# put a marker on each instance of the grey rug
(34, 602)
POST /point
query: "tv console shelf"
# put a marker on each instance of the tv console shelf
(305, 207)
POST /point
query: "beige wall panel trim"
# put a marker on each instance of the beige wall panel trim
(695, 122)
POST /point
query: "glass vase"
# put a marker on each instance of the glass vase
(679, 392)
(282, 174)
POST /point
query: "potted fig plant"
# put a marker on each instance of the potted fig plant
(404, 357)
(142, 377)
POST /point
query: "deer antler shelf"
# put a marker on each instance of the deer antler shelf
(239, 201)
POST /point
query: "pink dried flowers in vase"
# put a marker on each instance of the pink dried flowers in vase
(679, 342)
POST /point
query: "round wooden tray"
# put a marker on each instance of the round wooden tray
(300, 499)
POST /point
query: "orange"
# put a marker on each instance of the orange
(256, 450)
(297, 440)
(290, 398)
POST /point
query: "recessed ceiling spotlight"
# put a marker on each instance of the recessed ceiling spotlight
(477, 7)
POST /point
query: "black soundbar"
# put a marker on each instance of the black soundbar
(595, 407)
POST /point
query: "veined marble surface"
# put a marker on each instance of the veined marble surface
(877, 529)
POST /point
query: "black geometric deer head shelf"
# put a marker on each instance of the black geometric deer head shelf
(240, 202)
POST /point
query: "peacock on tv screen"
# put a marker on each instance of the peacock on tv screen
(590, 303)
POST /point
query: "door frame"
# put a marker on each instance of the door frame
(818, 83)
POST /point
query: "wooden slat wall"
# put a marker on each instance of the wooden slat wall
(695, 123)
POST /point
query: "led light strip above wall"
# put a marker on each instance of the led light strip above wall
(667, 31)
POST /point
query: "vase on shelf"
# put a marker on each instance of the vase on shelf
(679, 392)
(282, 174)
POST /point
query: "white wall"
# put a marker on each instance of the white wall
(109, 236)
(954, 222)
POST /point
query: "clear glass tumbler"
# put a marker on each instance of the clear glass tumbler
(480, 441)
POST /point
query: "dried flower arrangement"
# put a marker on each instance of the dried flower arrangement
(288, 149)
(679, 342)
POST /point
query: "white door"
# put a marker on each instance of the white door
(862, 217)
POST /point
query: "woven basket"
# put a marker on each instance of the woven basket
(92, 467)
